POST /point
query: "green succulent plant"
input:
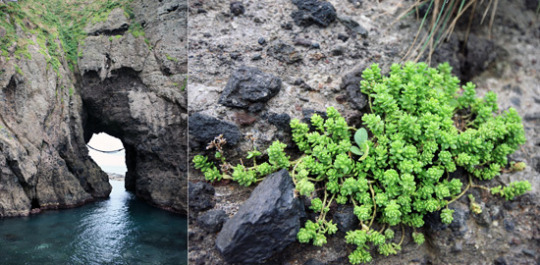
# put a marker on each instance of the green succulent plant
(422, 127)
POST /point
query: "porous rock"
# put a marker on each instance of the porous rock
(212, 220)
(248, 86)
(345, 219)
(469, 61)
(200, 195)
(353, 26)
(284, 52)
(351, 83)
(311, 12)
(281, 121)
(237, 8)
(314, 262)
(204, 128)
(265, 224)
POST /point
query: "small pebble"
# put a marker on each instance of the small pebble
(342, 37)
(302, 42)
(287, 26)
(528, 252)
(237, 8)
(499, 261)
(509, 225)
(262, 41)
(235, 55)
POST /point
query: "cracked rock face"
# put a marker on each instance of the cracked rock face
(129, 87)
(44, 162)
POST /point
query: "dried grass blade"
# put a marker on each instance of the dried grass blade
(493, 16)
(418, 32)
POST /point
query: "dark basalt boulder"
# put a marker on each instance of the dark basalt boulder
(311, 12)
(212, 220)
(351, 83)
(204, 128)
(265, 224)
(248, 86)
(201, 194)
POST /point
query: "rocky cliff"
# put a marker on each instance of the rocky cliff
(128, 82)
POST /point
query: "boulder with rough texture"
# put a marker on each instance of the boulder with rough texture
(351, 84)
(311, 12)
(212, 220)
(200, 195)
(353, 26)
(345, 219)
(265, 224)
(248, 85)
(204, 128)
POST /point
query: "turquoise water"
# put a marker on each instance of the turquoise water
(117, 231)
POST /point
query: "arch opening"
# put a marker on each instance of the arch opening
(109, 154)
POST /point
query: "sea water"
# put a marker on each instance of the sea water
(116, 231)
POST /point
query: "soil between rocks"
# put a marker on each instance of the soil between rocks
(220, 42)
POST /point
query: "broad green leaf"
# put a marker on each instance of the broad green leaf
(355, 150)
(360, 136)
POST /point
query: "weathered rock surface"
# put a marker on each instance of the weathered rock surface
(311, 12)
(353, 27)
(117, 23)
(212, 220)
(123, 88)
(345, 219)
(200, 195)
(284, 52)
(204, 128)
(44, 162)
(265, 224)
(468, 61)
(351, 83)
(248, 86)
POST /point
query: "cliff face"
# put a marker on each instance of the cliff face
(129, 83)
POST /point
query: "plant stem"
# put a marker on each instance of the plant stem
(374, 205)
(462, 193)
(402, 235)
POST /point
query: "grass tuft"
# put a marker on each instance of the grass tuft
(445, 15)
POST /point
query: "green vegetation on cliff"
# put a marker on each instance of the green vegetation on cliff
(56, 26)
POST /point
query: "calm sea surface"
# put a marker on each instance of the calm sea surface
(120, 230)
